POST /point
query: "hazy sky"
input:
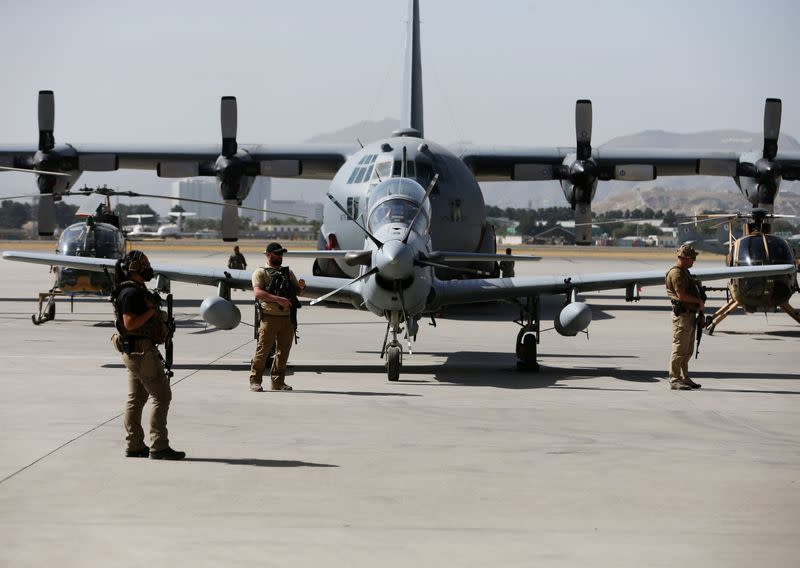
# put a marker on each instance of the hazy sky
(502, 72)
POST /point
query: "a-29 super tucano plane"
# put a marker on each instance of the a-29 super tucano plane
(404, 233)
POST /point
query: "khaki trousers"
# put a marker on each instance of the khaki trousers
(682, 346)
(146, 377)
(272, 329)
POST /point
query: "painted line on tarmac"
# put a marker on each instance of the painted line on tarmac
(90, 430)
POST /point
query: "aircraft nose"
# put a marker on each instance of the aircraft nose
(395, 260)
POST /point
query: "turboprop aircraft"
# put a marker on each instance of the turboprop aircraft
(354, 172)
(397, 279)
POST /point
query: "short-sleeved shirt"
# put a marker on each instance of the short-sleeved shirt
(132, 300)
(680, 280)
(261, 279)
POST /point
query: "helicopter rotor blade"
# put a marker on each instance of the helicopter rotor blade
(37, 172)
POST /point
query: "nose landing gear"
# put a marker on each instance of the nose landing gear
(393, 350)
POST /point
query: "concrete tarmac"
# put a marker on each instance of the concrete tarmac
(464, 462)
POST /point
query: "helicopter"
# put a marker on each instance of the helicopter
(98, 236)
(756, 247)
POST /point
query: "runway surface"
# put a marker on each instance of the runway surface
(464, 462)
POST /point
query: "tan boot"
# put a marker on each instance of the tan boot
(279, 384)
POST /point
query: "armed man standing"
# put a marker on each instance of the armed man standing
(141, 326)
(237, 260)
(687, 297)
(275, 288)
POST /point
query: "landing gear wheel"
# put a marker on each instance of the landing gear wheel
(51, 311)
(393, 362)
(526, 350)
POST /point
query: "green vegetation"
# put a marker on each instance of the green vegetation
(13, 214)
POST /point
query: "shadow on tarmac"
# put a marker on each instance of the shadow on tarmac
(259, 462)
(499, 370)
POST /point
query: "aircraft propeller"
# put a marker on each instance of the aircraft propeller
(47, 158)
(765, 173)
(234, 169)
(394, 260)
(579, 173)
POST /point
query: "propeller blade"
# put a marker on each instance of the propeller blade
(230, 221)
(47, 119)
(229, 122)
(431, 185)
(343, 210)
(420, 262)
(37, 172)
(583, 224)
(329, 294)
(583, 128)
(47, 215)
(772, 128)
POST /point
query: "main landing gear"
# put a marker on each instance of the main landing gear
(528, 336)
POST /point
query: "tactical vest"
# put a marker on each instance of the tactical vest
(695, 289)
(156, 328)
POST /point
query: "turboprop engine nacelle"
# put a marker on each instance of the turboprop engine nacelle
(220, 312)
(574, 318)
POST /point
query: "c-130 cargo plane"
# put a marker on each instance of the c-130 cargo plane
(404, 233)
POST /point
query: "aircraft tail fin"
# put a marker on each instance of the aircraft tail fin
(412, 105)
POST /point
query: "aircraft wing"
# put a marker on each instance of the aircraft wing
(316, 286)
(308, 161)
(632, 164)
(486, 289)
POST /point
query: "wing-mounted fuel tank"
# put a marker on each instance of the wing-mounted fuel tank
(220, 312)
(574, 318)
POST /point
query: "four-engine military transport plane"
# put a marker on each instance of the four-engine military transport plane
(388, 244)
(457, 199)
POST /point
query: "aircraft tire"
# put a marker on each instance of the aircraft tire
(526, 351)
(393, 363)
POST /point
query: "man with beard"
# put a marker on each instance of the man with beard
(275, 289)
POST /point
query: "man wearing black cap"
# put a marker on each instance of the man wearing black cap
(686, 295)
(275, 288)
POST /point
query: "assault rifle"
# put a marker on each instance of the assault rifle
(168, 343)
(699, 320)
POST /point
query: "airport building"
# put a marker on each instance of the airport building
(207, 189)
(260, 197)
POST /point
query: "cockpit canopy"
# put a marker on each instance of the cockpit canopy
(99, 240)
(397, 200)
(759, 249)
